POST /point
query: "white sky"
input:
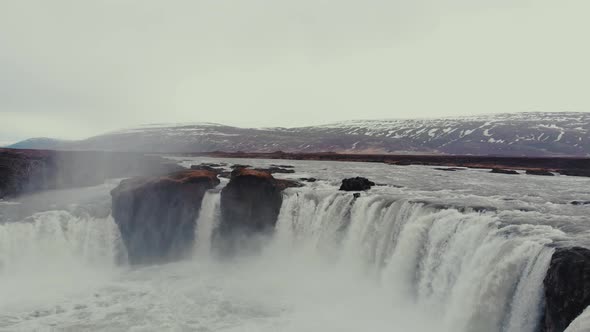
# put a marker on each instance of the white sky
(73, 68)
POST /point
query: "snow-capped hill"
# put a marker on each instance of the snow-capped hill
(520, 134)
(196, 126)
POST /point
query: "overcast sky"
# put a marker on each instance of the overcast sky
(73, 68)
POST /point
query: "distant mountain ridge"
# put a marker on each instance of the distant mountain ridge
(41, 143)
(511, 134)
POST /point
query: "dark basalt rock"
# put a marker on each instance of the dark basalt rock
(541, 172)
(282, 166)
(308, 179)
(356, 184)
(250, 205)
(217, 165)
(449, 169)
(225, 174)
(236, 166)
(27, 171)
(156, 216)
(567, 288)
(575, 172)
(503, 171)
(208, 167)
(273, 170)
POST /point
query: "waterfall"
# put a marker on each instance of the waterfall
(206, 223)
(57, 238)
(408, 263)
(467, 269)
(52, 254)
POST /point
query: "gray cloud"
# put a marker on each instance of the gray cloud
(76, 68)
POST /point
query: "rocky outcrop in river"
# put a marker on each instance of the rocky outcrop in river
(250, 205)
(356, 184)
(157, 216)
(567, 288)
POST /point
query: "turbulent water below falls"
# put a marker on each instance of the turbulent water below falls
(392, 260)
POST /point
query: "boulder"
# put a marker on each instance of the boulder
(567, 288)
(308, 179)
(273, 170)
(250, 205)
(157, 215)
(356, 184)
(503, 171)
(542, 172)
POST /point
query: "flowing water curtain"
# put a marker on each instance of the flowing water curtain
(469, 269)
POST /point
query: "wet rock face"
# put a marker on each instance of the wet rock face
(356, 184)
(157, 216)
(567, 288)
(250, 205)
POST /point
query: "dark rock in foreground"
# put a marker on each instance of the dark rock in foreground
(156, 216)
(503, 171)
(541, 172)
(356, 184)
(250, 205)
(580, 202)
(567, 288)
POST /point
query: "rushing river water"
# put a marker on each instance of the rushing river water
(425, 250)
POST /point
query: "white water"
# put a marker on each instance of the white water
(581, 324)
(462, 269)
(377, 263)
(208, 219)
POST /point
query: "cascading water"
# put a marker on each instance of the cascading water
(50, 255)
(206, 223)
(466, 269)
(57, 239)
(379, 262)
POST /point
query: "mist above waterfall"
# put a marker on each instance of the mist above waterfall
(466, 252)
